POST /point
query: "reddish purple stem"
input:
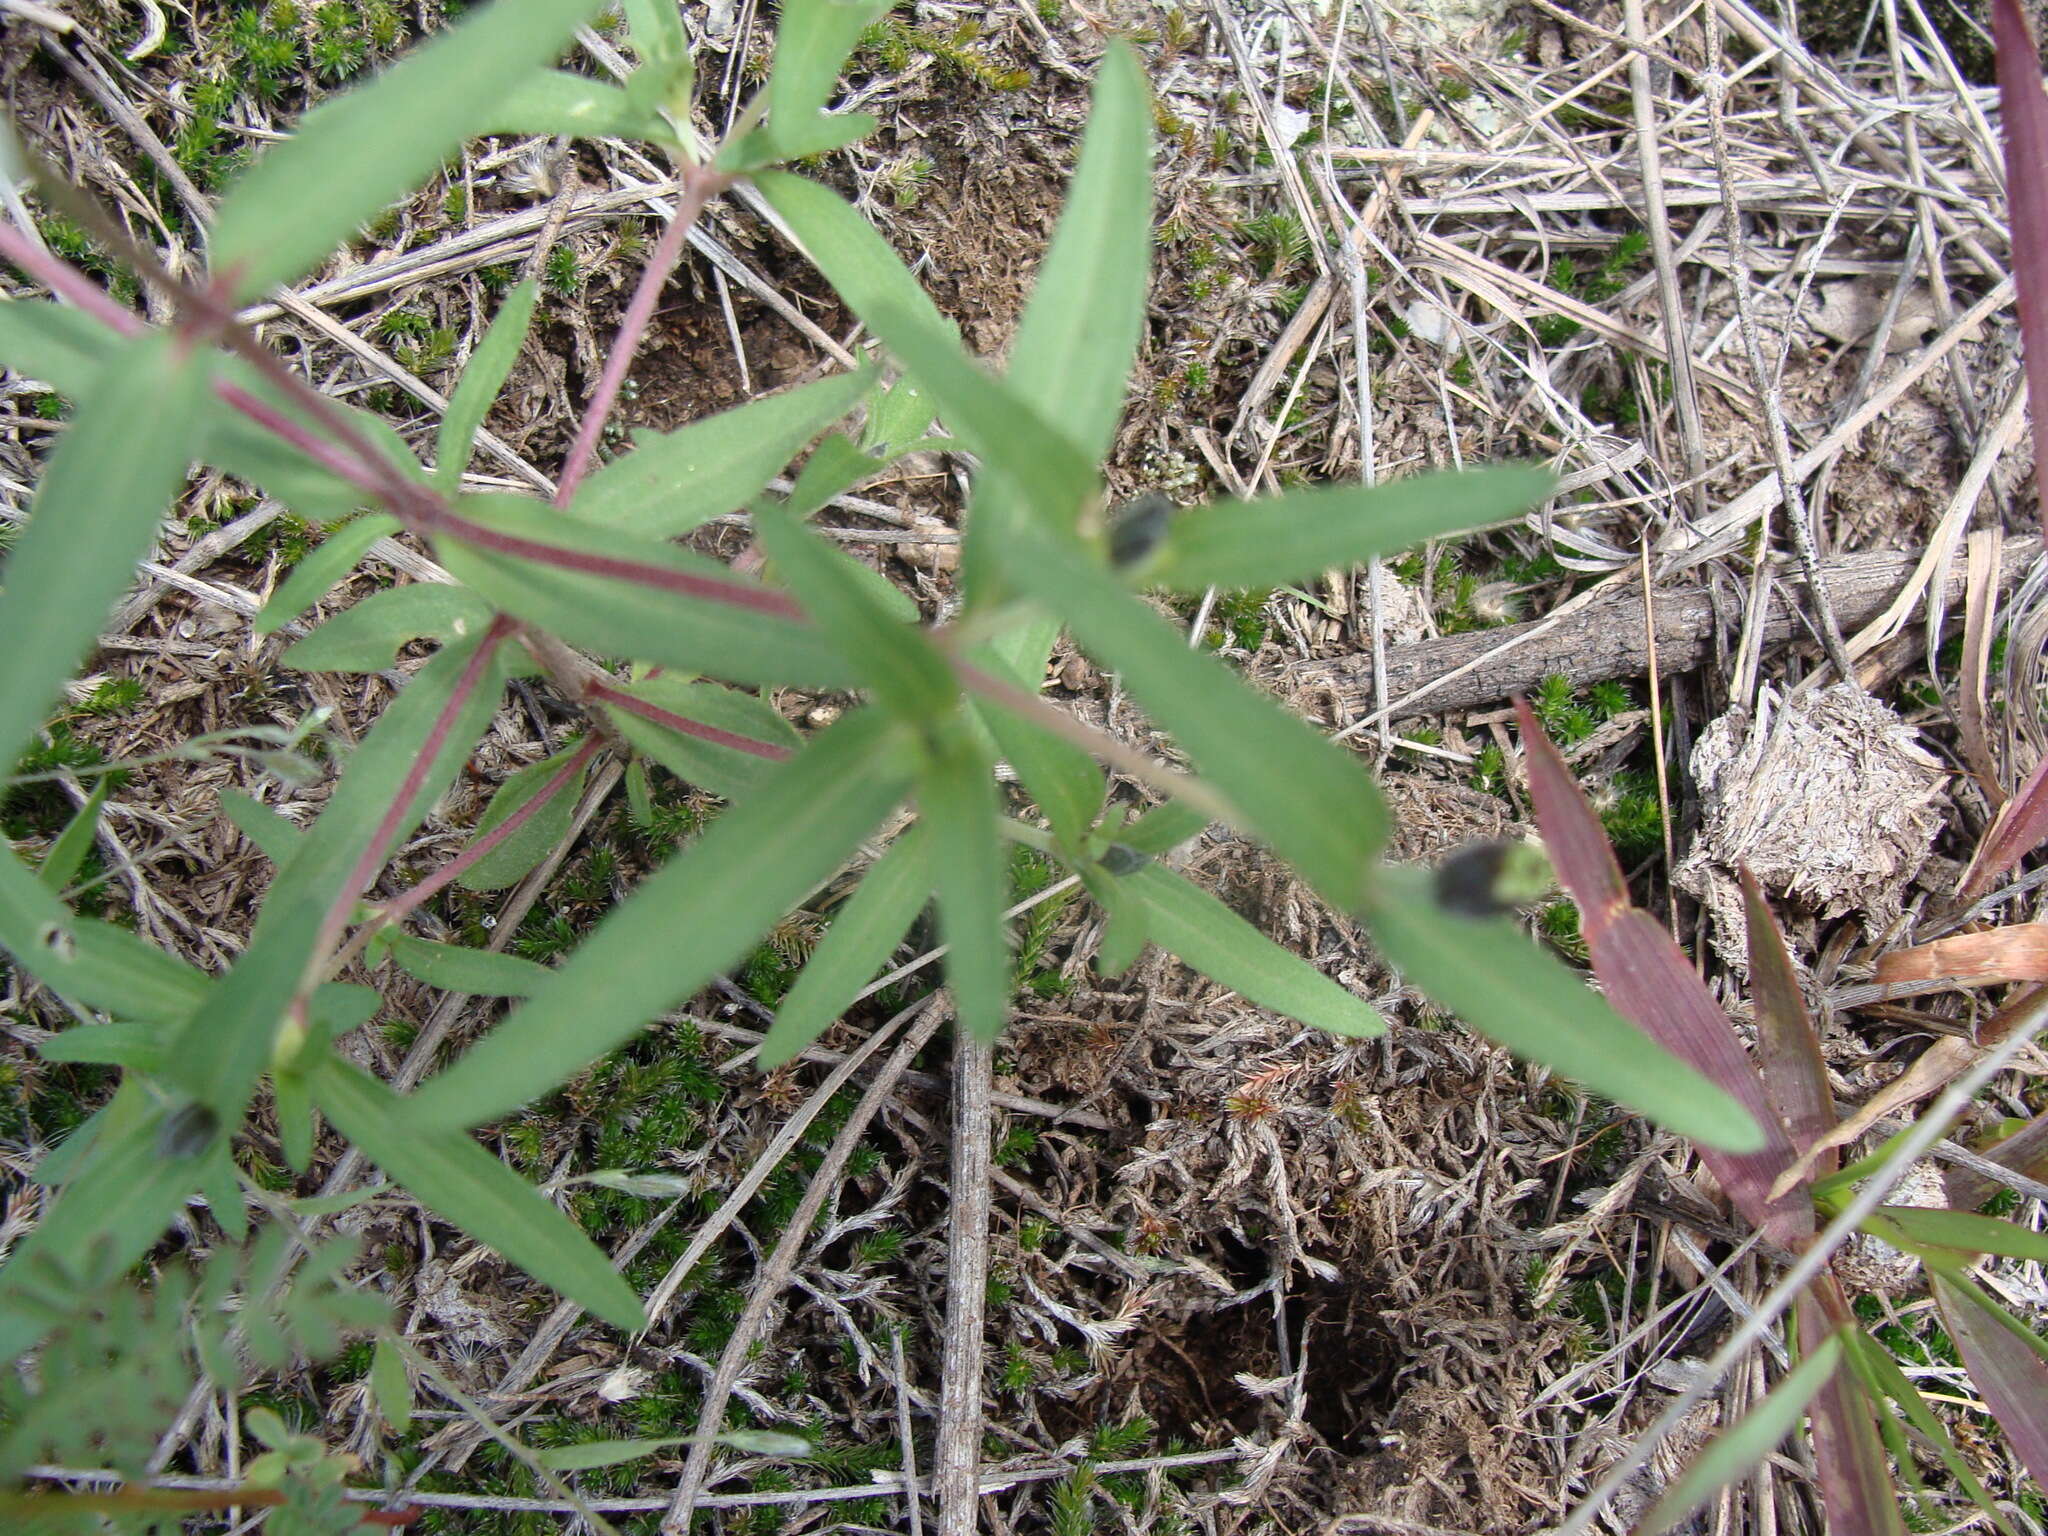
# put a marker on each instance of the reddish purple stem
(378, 849)
(711, 589)
(396, 909)
(682, 725)
(699, 185)
(2025, 112)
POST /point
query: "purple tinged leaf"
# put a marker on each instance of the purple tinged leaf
(1650, 983)
(1788, 1050)
(2014, 1381)
(1855, 1479)
(2025, 113)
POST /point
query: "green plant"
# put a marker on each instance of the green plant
(596, 573)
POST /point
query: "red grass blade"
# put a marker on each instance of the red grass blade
(2025, 110)
(1651, 984)
(1848, 1453)
(2013, 1379)
(1788, 1050)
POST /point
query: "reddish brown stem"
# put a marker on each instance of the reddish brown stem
(699, 185)
(683, 726)
(126, 1501)
(396, 909)
(712, 589)
(378, 849)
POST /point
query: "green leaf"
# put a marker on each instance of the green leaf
(704, 757)
(897, 421)
(276, 837)
(477, 972)
(768, 1442)
(1882, 1378)
(862, 267)
(956, 801)
(589, 1455)
(535, 839)
(292, 1101)
(812, 40)
(115, 1204)
(1217, 942)
(488, 368)
(356, 153)
(462, 1183)
(67, 854)
(555, 102)
(1295, 537)
(1914, 1227)
(744, 639)
(998, 422)
(863, 935)
(1164, 828)
(368, 636)
(1061, 777)
(1309, 799)
(1125, 932)
(906, 672)
(696, 915)
(1495, 978)
(656, 27)
(92, 963)
(58, 344)
(1740, 1448)
(116, 468)
(324, 569)
(671, 482)
(250, 451)
(137, 1046)
(229, 1039)
(391, 1385)
(1074, 346)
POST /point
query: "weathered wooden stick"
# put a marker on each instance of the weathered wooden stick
(1607, 638)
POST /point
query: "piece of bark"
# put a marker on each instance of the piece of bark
(1606, 638)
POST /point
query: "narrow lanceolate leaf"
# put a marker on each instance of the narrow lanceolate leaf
(354, 155)
(656, 27)
(368, 636)
(2025, 116)
(1881, 1378)
(863, 935)
(462, 1183)
(323, 570)
(716, 738)
(1917, 1227)
(1795, 1076)
(634, 597)
(1002, 425)
(684, 924)
(489, 366)
(908, 676)
(1294, 537)
(116, 1202)
(1075, 343)
(956, 802)
(1738, 1450)
(669, 482)
(94, 964)
(1649, 982)
(138, 1046)
(812, 41)
(1307, 798)
(116, 469)
(1060, 776)
(863, 268)
(1164, 827)
(229, 1039)
(67, 854)
(1492, 976)
(477, 972)
(589, 1455)
(276, 837)
(535, 838)
(2014, 1381)
(553, 101)
(391, 1385)
(1221, 945)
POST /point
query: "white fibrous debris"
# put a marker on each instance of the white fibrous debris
(1827, 797)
